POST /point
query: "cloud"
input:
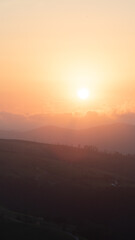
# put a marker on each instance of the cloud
(128, 118)
(10, 121)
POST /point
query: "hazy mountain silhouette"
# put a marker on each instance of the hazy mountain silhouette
(114, 137)
(11, 121)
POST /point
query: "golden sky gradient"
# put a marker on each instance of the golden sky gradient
(50, 49)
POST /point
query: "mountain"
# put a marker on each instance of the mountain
(113, 137)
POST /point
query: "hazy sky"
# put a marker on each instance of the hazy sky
(50, 49)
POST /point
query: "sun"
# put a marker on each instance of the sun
(83, 93)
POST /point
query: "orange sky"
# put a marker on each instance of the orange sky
(49, 49)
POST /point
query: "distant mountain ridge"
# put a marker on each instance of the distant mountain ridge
(112, 137)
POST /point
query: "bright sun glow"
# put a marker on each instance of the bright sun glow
(83, 93)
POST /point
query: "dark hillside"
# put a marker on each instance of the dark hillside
(111, 137)
(95, 191)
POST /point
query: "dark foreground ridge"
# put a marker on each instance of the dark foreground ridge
(92, 192)
(21, 226)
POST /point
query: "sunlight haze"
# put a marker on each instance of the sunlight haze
(50, 49)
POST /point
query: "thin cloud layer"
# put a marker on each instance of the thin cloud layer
(10, 121)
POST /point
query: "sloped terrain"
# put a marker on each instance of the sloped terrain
(95, 191)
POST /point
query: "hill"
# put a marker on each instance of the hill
(114, 137)
(92, 190)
